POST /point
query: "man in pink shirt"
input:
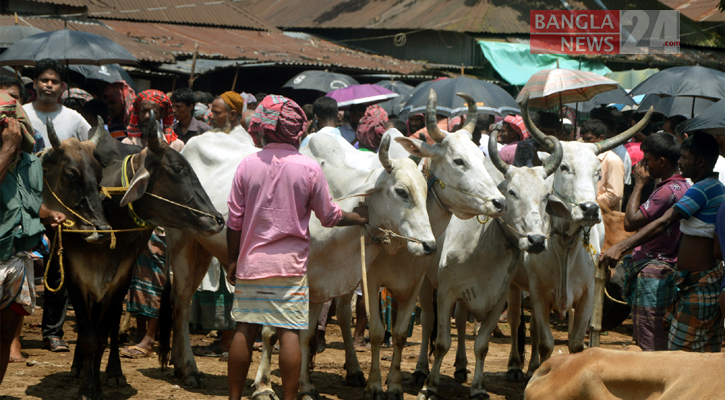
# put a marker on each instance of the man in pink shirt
(273, 194)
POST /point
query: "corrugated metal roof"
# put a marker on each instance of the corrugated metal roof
(72, 3)
(155, 42)
(697, 10)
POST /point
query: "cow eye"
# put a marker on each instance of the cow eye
(401, 193)
(512, 193)
(71, 177)
(177, 169)
(459, 161)
(564, 168)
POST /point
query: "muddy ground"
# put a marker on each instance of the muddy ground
(46, 375)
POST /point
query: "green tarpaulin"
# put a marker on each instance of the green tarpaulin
(515, 63)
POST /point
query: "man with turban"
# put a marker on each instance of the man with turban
(227, 111)
(160, 104)
(282, 187)
(120, 97)
(370, 128)
(514, 131)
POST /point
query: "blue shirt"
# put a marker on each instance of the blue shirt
(702, 200)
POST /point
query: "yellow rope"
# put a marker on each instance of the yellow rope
(60, 262)
(478, 218)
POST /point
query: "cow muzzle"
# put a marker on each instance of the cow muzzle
(590, 210)
(536, 243)
(98, 237)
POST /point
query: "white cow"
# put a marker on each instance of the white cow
(562, 278)
(478, 261)
(395, 193)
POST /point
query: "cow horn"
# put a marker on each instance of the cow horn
(553, 162)
(384, 154)
(52, 136)
(534, 131)
(154, 138)
(496, 159)
(472, 116)
(100, 132)
(431, 123)
(615, 141)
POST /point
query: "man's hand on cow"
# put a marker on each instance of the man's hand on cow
(611, 257)
(232, 273)
(11, 136)
(362, 211)
(641, 173)
(50, 217)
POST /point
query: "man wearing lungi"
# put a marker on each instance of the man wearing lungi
(273, 194)
(694, 320)
(652, 265)
(22, 214)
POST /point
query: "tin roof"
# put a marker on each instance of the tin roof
(700, 10)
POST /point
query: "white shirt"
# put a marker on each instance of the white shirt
(720, 168)
(67, 123)
(328, 129)
(484, 144)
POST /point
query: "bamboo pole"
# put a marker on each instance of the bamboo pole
(364, 274)
(192, 78)
(595, 327)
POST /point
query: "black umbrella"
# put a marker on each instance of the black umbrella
(321, 81)
(670, 106)
(616, 96)
(694, 81)
(72, 47)
(393, 106)
(107, 73)
(711, 120)
(10, 34)
(490, 98)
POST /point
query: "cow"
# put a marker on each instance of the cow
(164, 191)
(562, 277)
(603, 374)
(395, 194)
(478, 261)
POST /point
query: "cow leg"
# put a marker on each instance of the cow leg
(374, 388)
(307, 389)
(581, 322)
(461, 363)
(114, 373)
(353, 373)
(400, 336)
(77, 365)
(535, 360)
(515, 371)
(442, 345)
(480, 349)
(262, 380)
(540, 316)
(87, 346)
(189, 262)
(427, 319)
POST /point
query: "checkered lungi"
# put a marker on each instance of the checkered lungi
(17, 284)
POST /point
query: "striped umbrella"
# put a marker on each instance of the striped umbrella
(550, 88)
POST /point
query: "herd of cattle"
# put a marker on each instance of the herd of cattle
(484, 232)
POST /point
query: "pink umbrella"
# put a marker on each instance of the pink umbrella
(365, 94)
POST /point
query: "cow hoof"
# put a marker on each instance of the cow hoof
(394, 394)
(116, 381)
(193, 381)
(267, 394)
(311, 395)
(515, 375)
(419, 378)
(427, 394)
(374, 394)
(356, 379)
(461, 375)
(480, 396)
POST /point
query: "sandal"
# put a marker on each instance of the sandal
(212, 350)
(141, 352)
(56, 345)
(224, 357)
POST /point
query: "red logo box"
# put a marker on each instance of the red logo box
(574, 32)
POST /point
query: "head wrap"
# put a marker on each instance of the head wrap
(158, 97)
(279, 119)
(10, 108)
(371, 127)
(208, 117)
(200, 109)
(233, 100)
(248, 98)
(120, 92)
(517, 123)
(76, 93)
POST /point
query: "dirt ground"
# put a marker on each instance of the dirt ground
(46, 375)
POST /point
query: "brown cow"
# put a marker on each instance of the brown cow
(600, 374)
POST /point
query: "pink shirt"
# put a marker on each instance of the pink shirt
(508, 152)
(635, 154)
(272, 195)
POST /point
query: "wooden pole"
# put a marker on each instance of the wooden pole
(364, 273)
(173, 84)
(234, 82)
(595, 327)
(193, 65)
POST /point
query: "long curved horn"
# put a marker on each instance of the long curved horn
(496, 159)
(52, 136)
(97, 138)
(472, 116)
(554, 160)
(609, 144)
(431, 123)
(534, 131)
(154, 137)
(384, 154)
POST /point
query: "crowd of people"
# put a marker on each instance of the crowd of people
(668, 183)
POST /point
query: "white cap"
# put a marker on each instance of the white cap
(566, 121)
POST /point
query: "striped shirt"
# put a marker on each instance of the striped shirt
(702, 200)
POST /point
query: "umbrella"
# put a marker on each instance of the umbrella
(107, 73)
(616, 96)
(73, 47)
(361, 94)
(694, 81)
(550, 88)
(490, 98)
(393, 106)
(711, 120)
(322, 81)
(669, 106)
(12, 33)
(629, 79)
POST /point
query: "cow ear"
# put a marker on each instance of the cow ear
(502, 186)
(137, 187)
(365, 190)
(419, 148)
(556, 207)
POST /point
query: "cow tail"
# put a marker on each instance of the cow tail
(166, 321)
(522, 335)
(434, 332)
